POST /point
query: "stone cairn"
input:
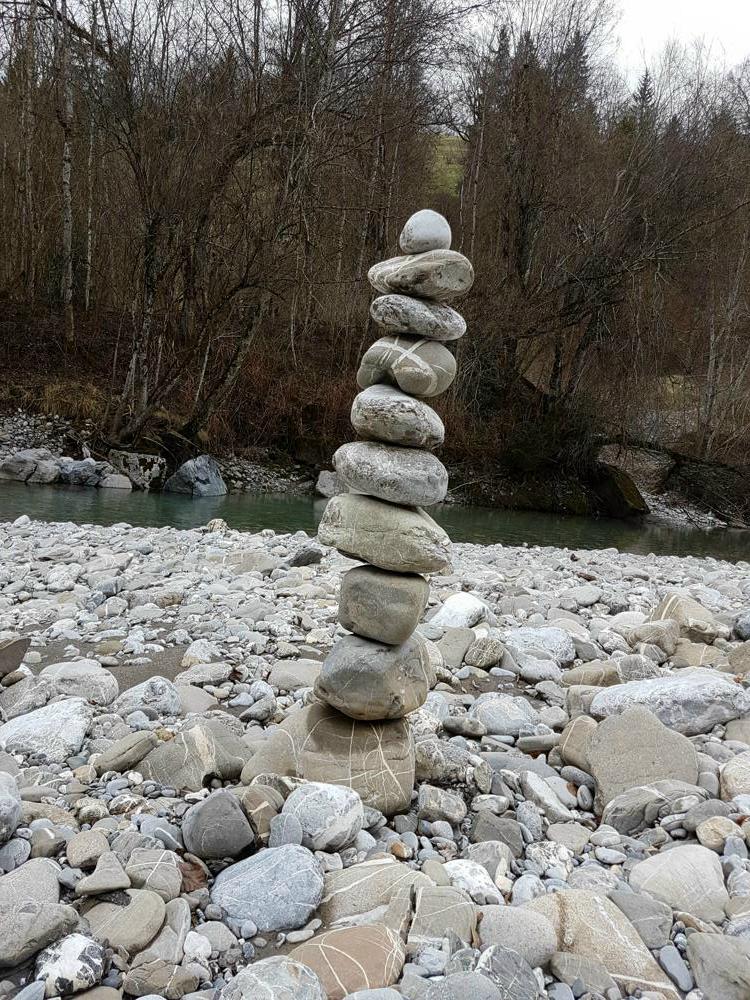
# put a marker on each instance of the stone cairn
(382, 670)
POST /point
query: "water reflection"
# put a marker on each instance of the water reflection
(290, 513)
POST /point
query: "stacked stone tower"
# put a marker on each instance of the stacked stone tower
(382, 670)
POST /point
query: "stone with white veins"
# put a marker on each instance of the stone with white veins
(156, 696)
(56, 731)
(372, 681)
(330, 816)
(405, 476)
(364, 528)
(385, 413)
(70, 965)
(438, 275)
(692, 701)
(425, 230)
(687, 878)
(418, 366)
(402, 314)
(82, 679)
(276, 978)
(503, 714)
(278, 889)
(10, 806)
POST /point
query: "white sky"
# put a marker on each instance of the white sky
(646, 25)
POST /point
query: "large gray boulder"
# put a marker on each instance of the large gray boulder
(405, 476)
(56, 731)
(438, 275)
(145, 472)
(419, 367)
(156, 697)
(403, 314)
(694, 621)
(217, 827)
(372, 681)
(279, 888)
(638, 808)
(331, 816)
(590, 926)
(276, 978)
(692, 701)
(27, 926)
(686, 878)
(504, 715)
(22, 466)
(546, 641)
(198, 477)
(385, 413)
(635, 748)
(82, 679)
(720, 965)
(365, 528)
(380, 605)
(207, 749)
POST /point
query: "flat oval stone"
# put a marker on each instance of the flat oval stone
(425, 230)
(380, 605)
(437, 275)
(369, 680)
(398, 475)
(419, 367)
(385, 413)
(404, 314)
(394, 538)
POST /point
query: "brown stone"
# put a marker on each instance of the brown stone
(318, 743)
(353, 958)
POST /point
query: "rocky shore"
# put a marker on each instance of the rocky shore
(564, 816)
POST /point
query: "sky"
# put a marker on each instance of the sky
(646, 25)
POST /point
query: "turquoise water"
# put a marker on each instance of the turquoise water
(283, 513)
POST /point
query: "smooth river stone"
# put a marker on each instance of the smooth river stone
(401, 539)
(385, 413)
(317, 743)
(369, 680)
(405, 476)
(418, 366)
(437, 275)
(380, 605)
(404, 314)
(425, 230)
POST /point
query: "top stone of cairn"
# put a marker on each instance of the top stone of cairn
(425, 230)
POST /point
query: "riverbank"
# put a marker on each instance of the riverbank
(530, 806)
(267, 472)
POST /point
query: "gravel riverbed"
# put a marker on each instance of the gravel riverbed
(565, 816)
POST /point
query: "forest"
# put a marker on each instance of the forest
(192, 191)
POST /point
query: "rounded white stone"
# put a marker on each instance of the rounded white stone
(425, 230)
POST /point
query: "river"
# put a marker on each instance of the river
(282, 513)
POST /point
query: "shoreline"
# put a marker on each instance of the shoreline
(145, 740)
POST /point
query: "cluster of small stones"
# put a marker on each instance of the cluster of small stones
(381, 670)
(21, 429)
(564, 817)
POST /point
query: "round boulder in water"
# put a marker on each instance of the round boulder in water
(399, 475)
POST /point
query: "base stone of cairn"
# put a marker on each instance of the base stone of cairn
(382, 671)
